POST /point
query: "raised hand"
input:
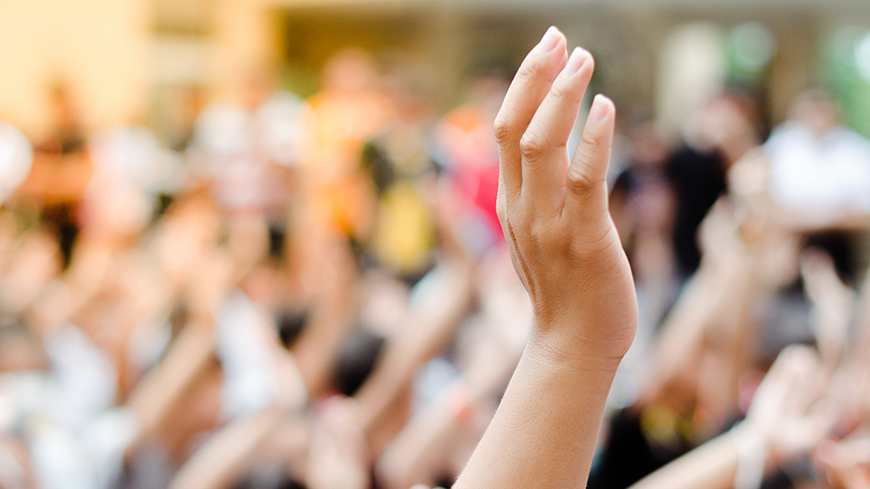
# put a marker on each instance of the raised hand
(786, 409)
(565, 248)
(553, 208)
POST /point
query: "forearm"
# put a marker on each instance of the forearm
(164, 384)
(714, 465)
(429, 331)
(220, 460)
(545, 430)
(710, 466)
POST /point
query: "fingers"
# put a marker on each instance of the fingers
(544, 145)
(528, 89)
(586, 193)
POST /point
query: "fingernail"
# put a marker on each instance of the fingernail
(598, 109)
(576, 61)
(549, 41)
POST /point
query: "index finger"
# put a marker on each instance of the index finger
(528, 89)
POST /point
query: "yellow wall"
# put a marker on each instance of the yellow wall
(98, 47)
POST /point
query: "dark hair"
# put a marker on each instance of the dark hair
(269, 478)
(277, 242)
(291, 324)
(357, 359)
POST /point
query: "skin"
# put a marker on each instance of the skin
(566, 250)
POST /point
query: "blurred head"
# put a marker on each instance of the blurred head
(115, 207)
(62, 106)
(350, 70)
(259, 84)
(488, 87)
(189, 229)
(815, 110)
(731, 116)
(648, 146)
(411, 89)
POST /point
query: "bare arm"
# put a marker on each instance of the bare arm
(220, 460)
(568, 254)
(164, 384)
(432, 326)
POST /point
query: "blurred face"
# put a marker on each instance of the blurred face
(183, 238)
(725, 121)
(350, 71)
(649, 149)
(817, 113)
(116, 208)
(256, 89)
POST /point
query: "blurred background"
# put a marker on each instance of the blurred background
(133, 60)
(253, 243)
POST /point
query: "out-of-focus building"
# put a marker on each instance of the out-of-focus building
(129, 60)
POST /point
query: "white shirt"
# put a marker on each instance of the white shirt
(820, 176)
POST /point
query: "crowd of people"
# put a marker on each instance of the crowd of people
(321, 293)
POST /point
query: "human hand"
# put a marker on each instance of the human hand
(846, 463)
(338, 456)
(786, 409)
(833, 304)
(553, 209)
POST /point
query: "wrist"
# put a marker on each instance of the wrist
(568, 349)
(567, 340)
(752, 456)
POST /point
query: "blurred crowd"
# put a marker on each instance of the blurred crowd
(317, 293)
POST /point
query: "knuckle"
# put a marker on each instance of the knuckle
(579, 180)
(529, 68)
(593, 141)
(502, 128)
(531, 147)
(561, 92)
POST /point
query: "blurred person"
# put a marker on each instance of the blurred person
(68, 135)
(22, 273)
(469, 157)
(61, 172)
(226, 366)
(806, 408)
(817, 165)
(783, 423)
(33, 261)
(718, 136)
(133, 152)
(191, 106)
(84, 319)
(245, 150)
(643, 206)
(456, 392)
(113, 214)
(818, 177)
(737, 312)
(349, 110)
(405, 178)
